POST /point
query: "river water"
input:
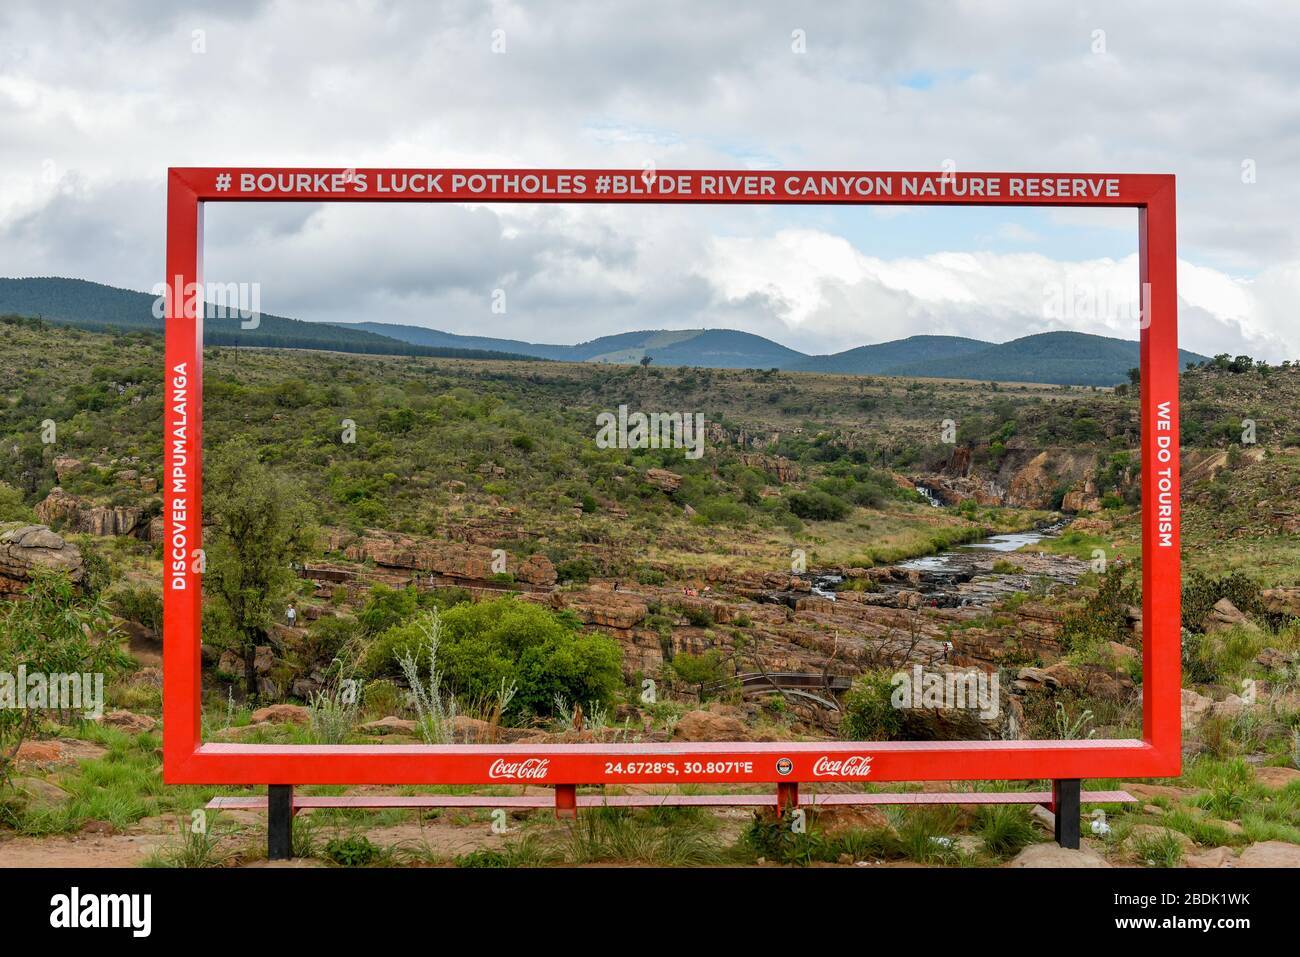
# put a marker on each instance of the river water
(960, 557)
(964, 575)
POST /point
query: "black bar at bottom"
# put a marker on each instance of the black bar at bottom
(279, 822)
(1065, 802)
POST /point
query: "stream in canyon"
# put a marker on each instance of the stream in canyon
(964, 576)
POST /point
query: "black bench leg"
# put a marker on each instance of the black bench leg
(279, 822)
(1065, 805)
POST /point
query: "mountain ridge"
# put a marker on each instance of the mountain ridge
(1061, 358)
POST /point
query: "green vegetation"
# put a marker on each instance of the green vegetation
(540, 652)
(53, 631)
(869, 714)
(261, 523)
(1104, 616)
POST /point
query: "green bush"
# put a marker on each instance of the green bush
(818, 506)
(483, 857)
(579, 570)
(354, 851)
(868, 712)
(1201, 592)
(386, 607)
(701, 669)
(698, 615)
(651, 576)
(1104, 617)
(53, 627)
(540, 651)
(12, 507)
(326, 638)
(139, 603)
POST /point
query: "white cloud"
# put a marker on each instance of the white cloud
(95, 104)
(828, 292)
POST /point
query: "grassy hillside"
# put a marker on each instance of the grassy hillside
(882, 358)
(1053, 357)
(445, 442)
(713, 348)
(420, 336)
(90, 305)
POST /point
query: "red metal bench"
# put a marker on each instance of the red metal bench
(304, 802)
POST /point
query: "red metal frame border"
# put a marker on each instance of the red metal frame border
(187, 760)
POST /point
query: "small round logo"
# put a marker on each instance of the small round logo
(784, 766)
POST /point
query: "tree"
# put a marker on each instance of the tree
(646, 360)
(260, 523)
(53, 630)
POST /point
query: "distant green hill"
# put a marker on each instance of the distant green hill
(715, 348)
(91, 305)
(879, 359)
(434, 338)
(1062, 358)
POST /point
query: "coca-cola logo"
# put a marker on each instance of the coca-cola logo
(854, 766)
(530, 768)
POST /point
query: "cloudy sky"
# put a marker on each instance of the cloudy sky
(98, 98)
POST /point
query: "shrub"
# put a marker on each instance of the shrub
(651, 576)
(139, 603)
(579, 570)
(381, 697)
(353, 851)
(326, 639)
(818, 506)
(482, 645)
(333, 715)
(1201, 592)
(483, 857)
(777, 839)
(698, 615)
(1104, 617)
(52, 628)
(701, 669)
(386, 607)
(12, 507)
(721, 511)
(868, 712)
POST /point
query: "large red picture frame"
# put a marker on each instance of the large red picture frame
(187, 759)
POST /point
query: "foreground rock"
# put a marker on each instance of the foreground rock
(1053, 855)
(1270, 854)
(40, 793)
(26, 549)
(1225, 615)
(707, 726)
(1282, 601)
(282, 714)
(59, 753)
(129, 722)
(1276, 778)
(390, 725)
(1211, 859)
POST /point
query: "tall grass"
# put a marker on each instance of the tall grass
(619, 834)
(436, 711)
